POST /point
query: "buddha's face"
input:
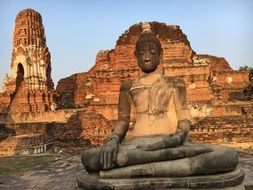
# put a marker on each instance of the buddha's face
(148, 56)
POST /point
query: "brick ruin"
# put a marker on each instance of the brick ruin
(25, 144)
(209, 80)
(87, 102)
(29, 88)
(204, 75)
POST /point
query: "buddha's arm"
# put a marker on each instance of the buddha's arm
(179, 137)
(173, 140)
(110, 149)
(124, 109)
(183, 115)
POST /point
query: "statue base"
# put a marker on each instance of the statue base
(226, 181)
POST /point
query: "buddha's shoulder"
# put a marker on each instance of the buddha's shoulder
(174, 81)
(126, 85)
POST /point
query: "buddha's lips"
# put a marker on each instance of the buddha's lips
(148, 64)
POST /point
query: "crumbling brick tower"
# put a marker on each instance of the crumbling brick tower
(30, 86)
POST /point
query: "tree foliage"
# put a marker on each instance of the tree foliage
(245, 68)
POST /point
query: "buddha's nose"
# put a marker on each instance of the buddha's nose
(147, 57)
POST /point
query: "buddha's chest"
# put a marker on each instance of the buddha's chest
(151, 98)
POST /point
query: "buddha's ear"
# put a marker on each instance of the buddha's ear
(161, 55)
(135, 54)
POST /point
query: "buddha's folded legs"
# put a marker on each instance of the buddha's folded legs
(139, 156)
(221, 159)
(196, 159)
(126, 157)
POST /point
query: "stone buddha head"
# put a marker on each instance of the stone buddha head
(148, 50)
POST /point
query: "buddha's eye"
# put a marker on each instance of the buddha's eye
(141, 52)
(152, 51)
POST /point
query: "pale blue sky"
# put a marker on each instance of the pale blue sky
(77, 29)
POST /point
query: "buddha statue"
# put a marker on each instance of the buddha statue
(157, 148)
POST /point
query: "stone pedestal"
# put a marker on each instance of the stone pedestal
(229, 181)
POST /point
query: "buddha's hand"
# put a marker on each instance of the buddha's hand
(168, 141)
(153, 146)
(165, 142)
(109, 153)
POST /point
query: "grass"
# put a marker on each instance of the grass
(18, 164)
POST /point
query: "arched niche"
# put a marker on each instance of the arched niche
(20, 51)
(20, 75)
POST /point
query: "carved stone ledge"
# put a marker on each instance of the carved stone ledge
(229, 181)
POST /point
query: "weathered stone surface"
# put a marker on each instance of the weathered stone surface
(220, 181)
(29, 87)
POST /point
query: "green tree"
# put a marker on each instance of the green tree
(245, 68)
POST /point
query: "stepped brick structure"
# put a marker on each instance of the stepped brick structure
(209, 81)
(207, 77)
(30, 87)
